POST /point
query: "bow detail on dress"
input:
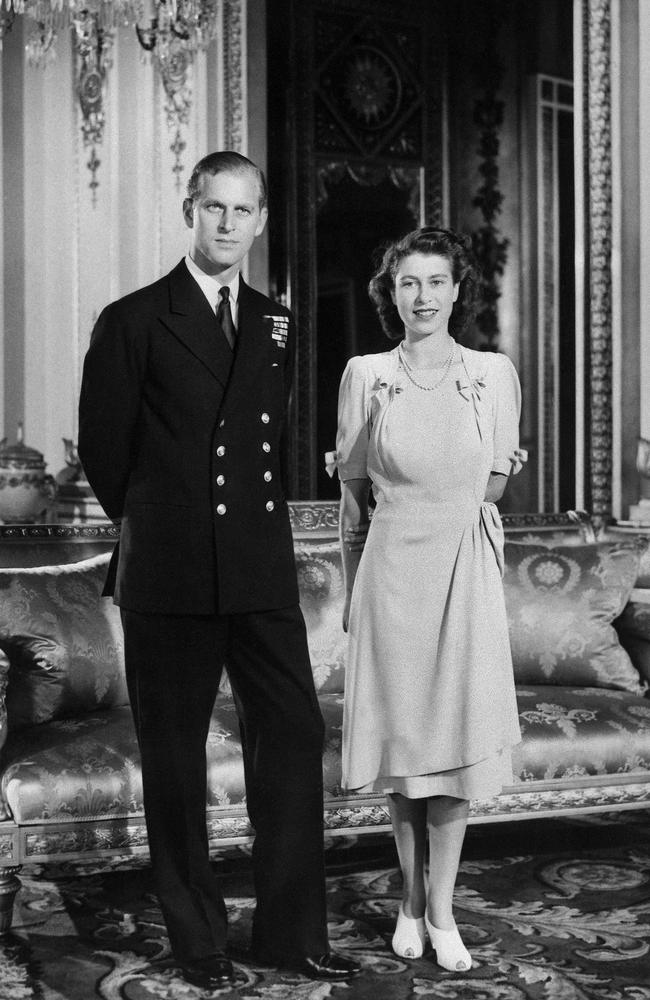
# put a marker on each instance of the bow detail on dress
(518, 457)
(384, 390)
(470, 387)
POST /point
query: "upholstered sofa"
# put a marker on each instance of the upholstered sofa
(69, 770)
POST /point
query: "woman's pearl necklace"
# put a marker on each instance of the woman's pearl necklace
(409, 371)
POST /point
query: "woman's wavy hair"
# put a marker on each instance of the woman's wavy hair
(428, 240)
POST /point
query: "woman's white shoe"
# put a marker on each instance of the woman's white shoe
(410, 936)
(451, 953)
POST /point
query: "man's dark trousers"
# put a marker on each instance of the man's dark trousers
(174, 667)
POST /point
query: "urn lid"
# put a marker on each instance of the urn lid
(19, 453)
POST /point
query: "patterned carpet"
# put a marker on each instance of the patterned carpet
(551, 910)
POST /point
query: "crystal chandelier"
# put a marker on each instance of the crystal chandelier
(159, 24)
(170, 32)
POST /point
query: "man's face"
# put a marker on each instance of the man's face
(224, 220)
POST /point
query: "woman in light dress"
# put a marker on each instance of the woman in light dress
(430, 712)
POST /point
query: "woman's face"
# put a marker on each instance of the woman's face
(424, 294)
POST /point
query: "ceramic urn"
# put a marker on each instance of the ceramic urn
(27, 492)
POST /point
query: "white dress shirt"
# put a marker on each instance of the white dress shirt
(211, 286)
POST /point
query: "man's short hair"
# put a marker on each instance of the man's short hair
(225, 161)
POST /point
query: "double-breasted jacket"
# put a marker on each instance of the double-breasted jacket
(182, 439)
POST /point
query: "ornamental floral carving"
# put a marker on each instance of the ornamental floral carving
(490, 247)
(92, 46)
(174, 68)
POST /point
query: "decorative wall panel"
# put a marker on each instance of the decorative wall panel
(368, 87)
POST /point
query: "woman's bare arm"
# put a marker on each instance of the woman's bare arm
(496, 487)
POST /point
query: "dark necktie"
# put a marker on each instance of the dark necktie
(224, 316)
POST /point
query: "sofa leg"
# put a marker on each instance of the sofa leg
(9, 886)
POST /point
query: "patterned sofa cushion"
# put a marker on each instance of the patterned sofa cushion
(320, 582)
(573, 733)
(561, 603)
(616, 531)
(89, 767)
(64, 642)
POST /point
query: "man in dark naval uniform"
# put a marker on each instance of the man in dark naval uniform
(183, 402)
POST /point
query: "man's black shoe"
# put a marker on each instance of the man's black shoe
(329, 966)
(208, 973)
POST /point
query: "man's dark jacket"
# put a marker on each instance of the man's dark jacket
(181, 439)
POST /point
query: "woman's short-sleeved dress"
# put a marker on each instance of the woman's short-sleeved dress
(430, 705)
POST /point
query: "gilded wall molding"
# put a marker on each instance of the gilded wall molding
(234, 69)
(598, 186)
